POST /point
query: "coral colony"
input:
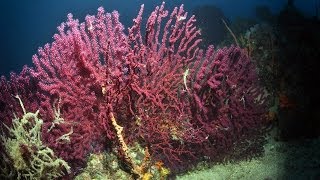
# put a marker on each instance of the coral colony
(99, 87)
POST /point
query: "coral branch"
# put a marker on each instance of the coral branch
(31, 158)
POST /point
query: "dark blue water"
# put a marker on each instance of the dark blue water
(27, 25)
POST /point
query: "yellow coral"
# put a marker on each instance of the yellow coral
(147, 176)
(164, 172)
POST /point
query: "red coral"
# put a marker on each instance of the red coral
(182, 102)
(82, 74)
(228, 101)
(160, 101)
(23, 86)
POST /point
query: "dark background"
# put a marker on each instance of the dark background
(27, 25)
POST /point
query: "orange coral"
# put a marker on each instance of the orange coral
(158, 164)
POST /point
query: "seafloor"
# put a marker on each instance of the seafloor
(298, 159)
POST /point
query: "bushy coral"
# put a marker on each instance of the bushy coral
(154, 86)
(30, 158)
